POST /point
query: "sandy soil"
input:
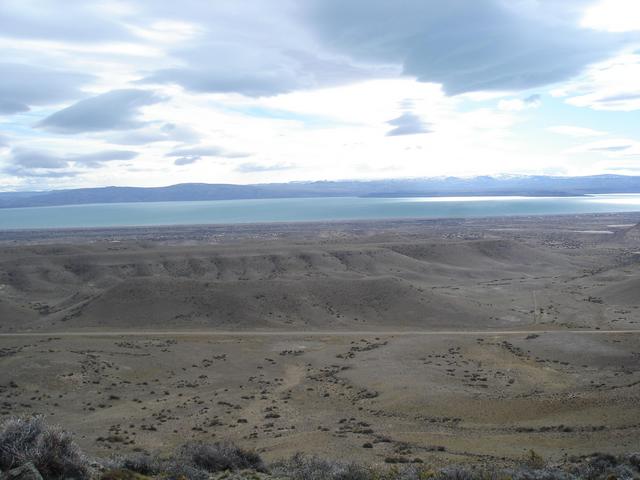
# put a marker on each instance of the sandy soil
(447, 340)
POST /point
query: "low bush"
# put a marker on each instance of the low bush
(303, 467)
(51, 449)
(218, 457)
(140, 463)
(193, 461)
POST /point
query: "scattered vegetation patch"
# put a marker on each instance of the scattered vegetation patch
(29, 442)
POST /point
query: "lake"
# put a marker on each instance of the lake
(306, 210)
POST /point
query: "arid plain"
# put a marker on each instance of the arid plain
(447, 341)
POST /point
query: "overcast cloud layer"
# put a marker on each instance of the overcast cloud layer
(153, 92)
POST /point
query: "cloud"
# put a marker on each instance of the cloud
(517, 104)
(97, 159)
(25, 162)
(207, 151)
(465, 46)
(187, 160)
(24, 85)
(308, 83)
(407, 124)
(573, 131)
(36, 173)
(187, 156)
(611, 148)
(250, 167)
(12, 106)
(253, 48)
(255, 70)
(78, 21)
(169, 132)
(114, 110)
(613, 16)
(614, 147)
(27, 158)
(613, 85)
(34, 163)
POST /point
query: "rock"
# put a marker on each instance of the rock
(24, 472)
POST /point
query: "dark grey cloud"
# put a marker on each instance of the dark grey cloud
(12, 106)
(97, 159)
(24, 85)
(187, 160)
(408, 124)
(250, 167)
(205, 151)
(169, 132)
(137, 137)
(259, 48)
(253, 80)
(27, 158)
(114, 110)
(187, 156)
(25, 162)
(36, 173)
(252, 47)
(257, 71)
(465, 45)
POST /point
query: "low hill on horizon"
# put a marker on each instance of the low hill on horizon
(442, 186)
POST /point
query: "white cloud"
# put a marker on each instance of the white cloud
(613, 16)
(613, 85)
(517, 104)
(577, 132)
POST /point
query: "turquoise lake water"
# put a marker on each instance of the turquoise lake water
(306, 210)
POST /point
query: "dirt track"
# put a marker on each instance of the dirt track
(297, 333)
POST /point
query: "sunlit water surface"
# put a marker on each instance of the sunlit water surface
(306, 210)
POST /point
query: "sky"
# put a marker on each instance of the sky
(159, 92)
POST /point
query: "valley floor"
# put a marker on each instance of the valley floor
(449, 341)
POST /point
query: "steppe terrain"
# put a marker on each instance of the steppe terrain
(456, 340)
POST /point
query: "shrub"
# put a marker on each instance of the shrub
(193, 461)
(541, 474)
(533, 460)
(51, 449)
(634, 460)
(455, 473)
(302, 467)
(122, 474)
(217, 457)
(140, 463)
(178, 470)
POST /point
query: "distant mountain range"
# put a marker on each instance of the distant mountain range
(441, 186)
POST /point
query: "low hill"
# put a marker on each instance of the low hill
(442, 186)
(352, 286)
